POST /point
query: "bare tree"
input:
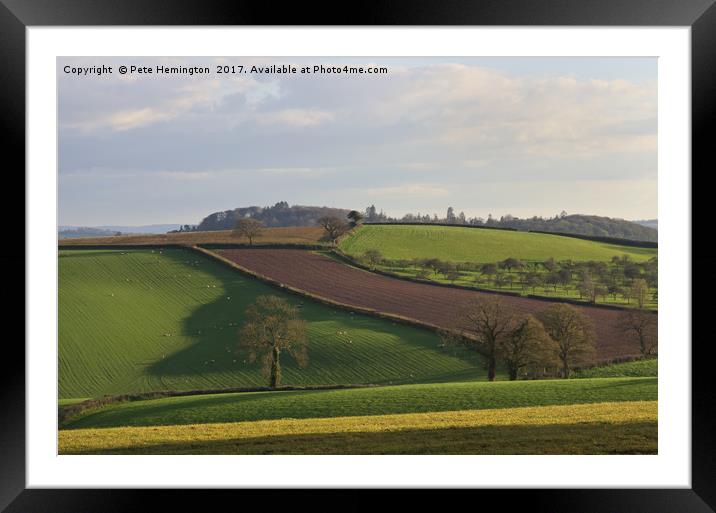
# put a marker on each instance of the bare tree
(572, 334)
(641, 325)
(249, 228)
(482, 325)
(272, 326)
(550, 264)
(588, 288)
(526, 344)
(639, 291)
(373, 256)
(334, 226)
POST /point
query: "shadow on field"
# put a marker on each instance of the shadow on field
(214, 326)
(583, 438)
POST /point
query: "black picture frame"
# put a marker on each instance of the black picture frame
(17, 15)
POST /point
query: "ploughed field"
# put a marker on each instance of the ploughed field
(279, 235)
(145, 320)
(436, 305)
(462, 244)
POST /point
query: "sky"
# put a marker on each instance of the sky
(522, 136)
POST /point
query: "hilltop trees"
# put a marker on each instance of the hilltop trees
(334, 226)
(249, 228)
(572, 334)
(355, 217)
(273, 326)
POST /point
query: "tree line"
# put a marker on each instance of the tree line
(577, 224)
(551, 343)
(621, 277)
(280, 214)
(334, 226)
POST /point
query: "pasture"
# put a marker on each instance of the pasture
(602, 428)
(420, 398)
(150, 320)
(462, 244)
(637, 368)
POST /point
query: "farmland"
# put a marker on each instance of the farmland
(326, 277)
(420, 398)
(145, 320)
(508, 261)
(283, 235)
(461, 244)
(151, 320)
(603, 428)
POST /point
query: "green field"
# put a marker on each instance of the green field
(366, 401)
(143, 320)
(406, 251)
(601, 428)
(638, 368)
(461, 244)
(146, 320)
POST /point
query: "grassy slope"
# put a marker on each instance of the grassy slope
(140, 320)
(639, 368)
(460, 244)
(604, 428)
(367, 401)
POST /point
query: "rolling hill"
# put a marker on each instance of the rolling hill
(463, 244)
(146, 319)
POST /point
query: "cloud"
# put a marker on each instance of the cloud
(296, 117)
(410, 190)
(430, 128)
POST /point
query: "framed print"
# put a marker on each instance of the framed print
(415, 249)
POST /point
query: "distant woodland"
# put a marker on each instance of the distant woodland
(281, 214)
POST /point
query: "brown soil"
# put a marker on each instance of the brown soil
(436, 305)
(287, 235)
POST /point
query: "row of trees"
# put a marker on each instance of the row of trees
(592, 280)
(562, 223)
(251, 228)
(280, 214)
(551, 343)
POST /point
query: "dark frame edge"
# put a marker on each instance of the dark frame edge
(703, 108)
(12, 391)
(701, 497)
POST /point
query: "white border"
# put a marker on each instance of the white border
(671, 467)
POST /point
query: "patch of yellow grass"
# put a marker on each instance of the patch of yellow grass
(260, 433)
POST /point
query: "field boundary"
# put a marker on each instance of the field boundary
(207, 245)
(68, 413)
(316, 297)
(595, 238)
(351, 261)
(240, 245)
(168, 245)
